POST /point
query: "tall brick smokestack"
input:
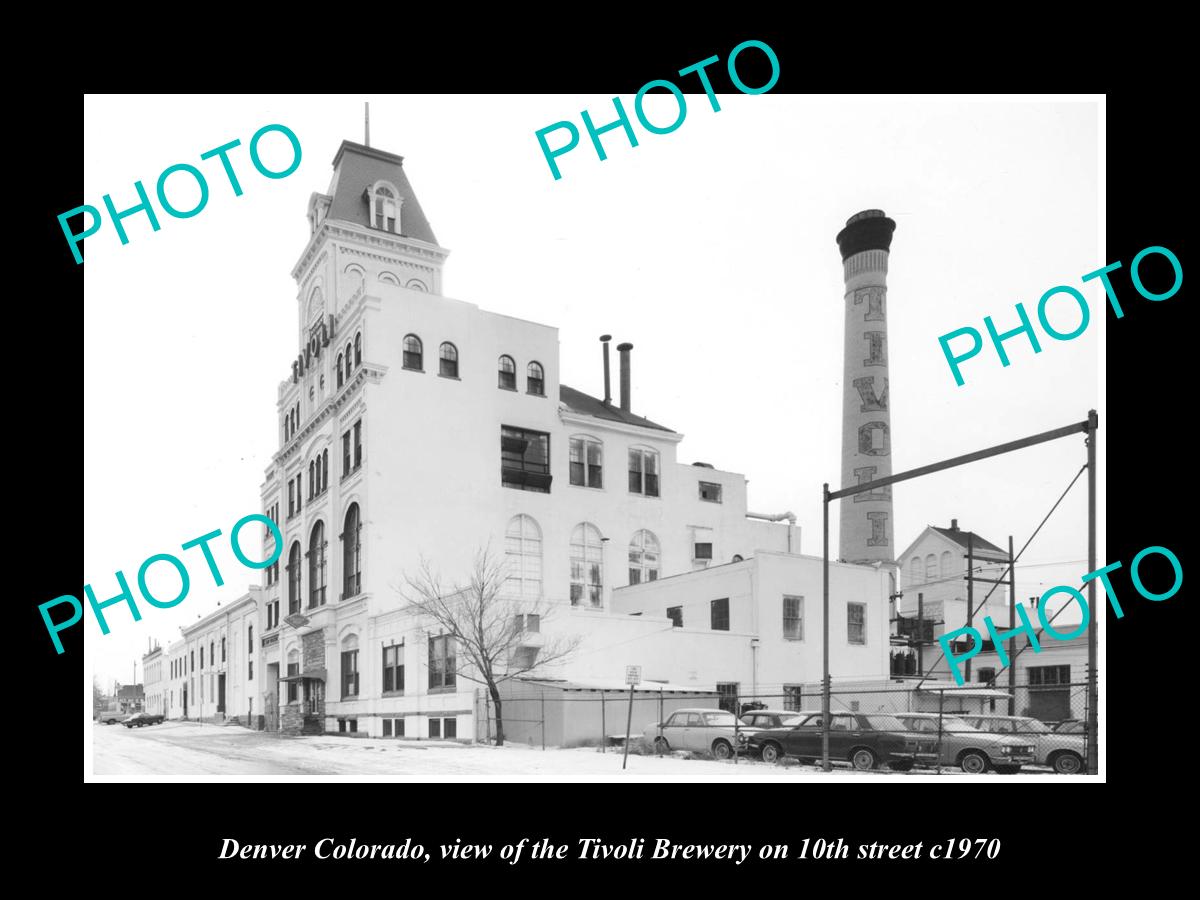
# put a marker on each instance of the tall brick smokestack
(866, 519)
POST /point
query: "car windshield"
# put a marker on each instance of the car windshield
(884, 723)
(721, 718)
(954, 723)
(789, 721)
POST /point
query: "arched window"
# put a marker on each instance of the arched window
(412, 352)
(385, 213)
(316, 566)
(931, 567)
(325, 468)
(448, 360)
(947, 565)
(586, 461)
(349, 359)
(341, 378)
(523, 549)
(535, 379)
(508, 373)
(587, 566)
(352, 553)
(293, 574)
(914, 570)
(643, 471)
(737, 557)
(643, 557)
(312, 479)
(358, 350)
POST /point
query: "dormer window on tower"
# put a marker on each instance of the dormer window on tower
(385, 207)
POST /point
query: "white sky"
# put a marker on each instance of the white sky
(711, 249)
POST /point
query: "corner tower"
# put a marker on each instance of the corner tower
(866, 519)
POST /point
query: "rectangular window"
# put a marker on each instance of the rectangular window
(299, 490)
(525, 459)
(719, 610)
(985, 674)
(441, 663)
(530, 622)
(435, 728)
(358, 444)
(1047, 676)
(793, 618)
(793, 697)
(643, 472)
(349, 674)
(250, 667)
(291, 498)
(202, 657)
(398, 727)
(728, 694)
(450, 728)
(345, 455)
(710, 492)
(675, 614)
(222, 649)
(387, 727)
(393, 669)
(293, 687)
(856, 623)
(702, 550)
(586, 463)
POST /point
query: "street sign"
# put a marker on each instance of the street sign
(633, 674)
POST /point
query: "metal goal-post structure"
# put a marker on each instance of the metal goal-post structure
(1087, 427)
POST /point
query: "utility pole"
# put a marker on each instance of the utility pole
(1092, 696)
(1012, 626)
(920, 634)
(970, 590)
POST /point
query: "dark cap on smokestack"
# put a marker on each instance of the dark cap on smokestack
(867, 230)
(604, 339)
(624, 349)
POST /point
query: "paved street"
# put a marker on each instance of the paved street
(177, 750)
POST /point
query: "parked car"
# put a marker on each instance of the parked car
(112, 717)
(143, 718)
(714, 730)
(970, 749)
(1062, 752)
(773, 718)
(1070, 726)
(866, 740)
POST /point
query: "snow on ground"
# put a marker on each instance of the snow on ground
(185, 751)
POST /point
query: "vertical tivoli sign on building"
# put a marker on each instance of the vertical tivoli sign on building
(866, 518)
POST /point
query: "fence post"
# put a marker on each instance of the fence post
(487, 716)
(658, 744)
(603, 725)
(941, 706)
(737, 720)
(543, 696)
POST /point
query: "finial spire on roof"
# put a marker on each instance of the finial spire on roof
(367, 116)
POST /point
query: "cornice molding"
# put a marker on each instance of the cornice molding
(367, 372)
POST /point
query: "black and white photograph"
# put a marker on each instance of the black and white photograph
(533, 437)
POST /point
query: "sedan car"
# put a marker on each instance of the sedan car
(970, 749)
(866, 740)
(1064, 753)
(773, 718)
(714, 730)
(1071, 726)
(112, 718)
(142, 718)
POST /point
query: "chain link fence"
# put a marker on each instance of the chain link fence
(912, 726)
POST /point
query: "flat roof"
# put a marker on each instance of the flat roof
(616, 685)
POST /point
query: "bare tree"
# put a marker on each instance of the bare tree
(489, 625)
(97, 696)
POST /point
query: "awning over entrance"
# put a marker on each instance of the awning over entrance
(314, 675)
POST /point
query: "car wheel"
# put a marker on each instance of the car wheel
(901, 765)
(1008, 770)
(863, 759)
(771, 752)
(722, 749)
(661, 745)
(1067, 764)
(973, 762)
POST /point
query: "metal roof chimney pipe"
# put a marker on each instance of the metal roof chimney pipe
(624, 349)
(604, 339)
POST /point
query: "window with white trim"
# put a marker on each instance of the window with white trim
(587, 575)
(523, 551)
(644, 557)
(643, 472)
(587, 462)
